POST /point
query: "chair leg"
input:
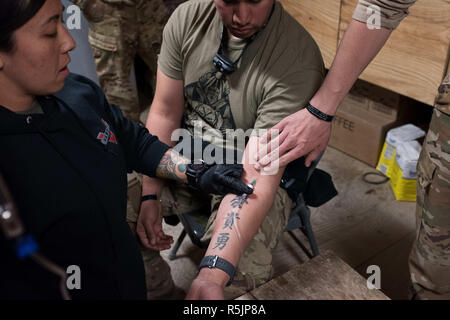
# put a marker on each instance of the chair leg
(307, 230)
(177, 245)
(305, 250)
(312, 239)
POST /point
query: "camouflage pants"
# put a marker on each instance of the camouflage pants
(118, 31)
(255, 265)
(429, 260)
(158, 278)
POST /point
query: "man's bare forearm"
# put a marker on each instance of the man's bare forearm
(239, 218)
(237, 222)
(164, 117)
(357, 49)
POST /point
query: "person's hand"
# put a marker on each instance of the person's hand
(149, 227)
(300, 134)
(222, 179)
(202, 289)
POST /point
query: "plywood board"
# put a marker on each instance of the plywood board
(321, 19)
(415, 58)
(393, 263)
(325, 277)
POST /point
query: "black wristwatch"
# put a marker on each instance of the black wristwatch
(219, 263)
(194, 171)
(319, 114)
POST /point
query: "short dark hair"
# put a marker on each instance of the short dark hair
(13, 15)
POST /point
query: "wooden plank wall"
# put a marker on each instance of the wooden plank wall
(414, 59)
(321, 19)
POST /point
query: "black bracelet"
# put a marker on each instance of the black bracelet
(319, 114)
(149, 197)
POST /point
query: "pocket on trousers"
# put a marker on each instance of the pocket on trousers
(426, 170)
(102, 42)
(133, 197)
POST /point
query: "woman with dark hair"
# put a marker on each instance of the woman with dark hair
(65, 153)
(13, 15)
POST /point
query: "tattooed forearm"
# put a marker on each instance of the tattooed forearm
(172, 166)
(239, 201)
(222, 241)
(236, 203)
(230, 219)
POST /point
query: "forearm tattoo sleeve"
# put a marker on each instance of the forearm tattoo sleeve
(231, 218)
(172, 166)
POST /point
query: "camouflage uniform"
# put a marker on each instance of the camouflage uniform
(429, 261)
(159, 280)
(118, 30)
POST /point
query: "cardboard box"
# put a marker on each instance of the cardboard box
(379, 101)
(362, 121)
(359, 136)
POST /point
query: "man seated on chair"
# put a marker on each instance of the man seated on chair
(266, 66)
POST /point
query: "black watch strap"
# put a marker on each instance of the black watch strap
(219, 263)
(194, 171)
(319, 114)
(192, 176)
(149, 197)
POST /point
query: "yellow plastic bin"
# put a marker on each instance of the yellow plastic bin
(404, 171)
(394, 138)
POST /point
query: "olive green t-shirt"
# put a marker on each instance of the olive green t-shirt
(278, 73)
(34, 109)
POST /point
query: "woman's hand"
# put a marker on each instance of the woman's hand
(149, 227)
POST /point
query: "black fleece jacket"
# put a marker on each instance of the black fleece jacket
(66, 170)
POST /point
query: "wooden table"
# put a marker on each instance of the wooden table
(325, 277)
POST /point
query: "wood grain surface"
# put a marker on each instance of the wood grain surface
(321, 20)
(414, 60)
(325, 277)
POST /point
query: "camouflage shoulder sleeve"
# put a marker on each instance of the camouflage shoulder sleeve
(443, 98)
(81, 3)
(392, 11)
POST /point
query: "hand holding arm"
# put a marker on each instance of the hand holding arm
(303, 134)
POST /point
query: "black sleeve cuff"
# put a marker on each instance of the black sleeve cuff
(153, 156)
